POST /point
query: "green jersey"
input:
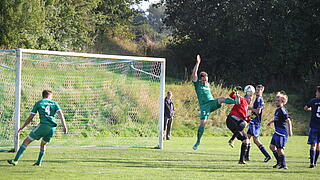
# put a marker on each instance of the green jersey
(47, 111)
(203, 92)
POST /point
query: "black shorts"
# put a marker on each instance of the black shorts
(236, 126)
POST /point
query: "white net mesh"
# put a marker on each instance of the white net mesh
(106, 102)
(7, 97)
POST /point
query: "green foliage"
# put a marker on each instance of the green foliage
(269, 42)
(60, 24)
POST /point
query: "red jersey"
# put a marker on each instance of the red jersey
(240, 110)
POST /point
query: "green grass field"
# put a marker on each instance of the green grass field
(213, 160)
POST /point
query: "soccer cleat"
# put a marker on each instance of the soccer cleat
(276, 166)
(36, 164)
(12, 162)
(231, 143)
(195, 147)
(242, 162)
(283, 167)
(267, 159)
(312, 166)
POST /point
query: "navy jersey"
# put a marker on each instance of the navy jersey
(258, 103)
(280, 124)
(315, 112)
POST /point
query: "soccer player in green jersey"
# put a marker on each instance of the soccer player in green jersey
(47, 112)
(207, 102)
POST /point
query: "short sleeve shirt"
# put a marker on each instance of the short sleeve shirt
(47, 111)
(203, 92)
(280, 123)
(240, 110)
(315, 112)
(258, 103)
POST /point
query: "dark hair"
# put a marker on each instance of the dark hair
(203, 74)
(46, 93)
(318, 89)
(260, 86)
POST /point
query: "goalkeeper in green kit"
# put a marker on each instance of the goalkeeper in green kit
(207, 102)
(47, 112)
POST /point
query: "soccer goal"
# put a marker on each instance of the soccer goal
(108, 100)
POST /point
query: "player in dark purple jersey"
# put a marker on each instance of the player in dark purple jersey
(314, 131)
(254, 125)
(283, 129)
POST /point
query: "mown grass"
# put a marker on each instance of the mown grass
(213, 160)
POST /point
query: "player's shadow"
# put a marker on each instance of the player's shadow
(164, 163)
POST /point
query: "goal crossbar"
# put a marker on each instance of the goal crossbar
(18, 86)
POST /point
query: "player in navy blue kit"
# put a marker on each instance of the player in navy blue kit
(254, 125)
(283, 129)
(314, 131)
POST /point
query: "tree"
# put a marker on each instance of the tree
(237, 37)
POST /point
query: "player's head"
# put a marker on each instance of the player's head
(46, 94)
(259, 90)
(248, 98)
(203, 77)
(281, 99)
(318, 92)
(169, 94)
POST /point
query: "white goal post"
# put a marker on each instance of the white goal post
(108, 100)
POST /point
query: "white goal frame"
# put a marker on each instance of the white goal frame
(19, 55)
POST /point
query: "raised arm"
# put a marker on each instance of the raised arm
(289, 124)
(28, 121)
(194, 75)
(63, 121)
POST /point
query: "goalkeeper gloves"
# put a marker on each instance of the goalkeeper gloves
(252, 116)
(237, 88)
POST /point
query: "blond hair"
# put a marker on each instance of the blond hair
(282, 95)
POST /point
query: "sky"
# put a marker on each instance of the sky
(145, 5)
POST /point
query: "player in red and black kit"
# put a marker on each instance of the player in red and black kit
(236, 122)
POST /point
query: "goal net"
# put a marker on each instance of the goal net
(7, 97)
(107, 100)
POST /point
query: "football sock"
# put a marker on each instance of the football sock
(40, 157)
(231, 101)
(312, 155)
(243, 151)
(282, 159)
(275, 153)
(20, 152)
(246, 156)
(316, 157)
(200, 133)
(264, 151)
(232, 138)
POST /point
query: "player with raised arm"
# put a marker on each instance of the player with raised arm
(206, 101)
(254, 125)
(237, 121)
(314, 131)
(47, 109)
(283, 129)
